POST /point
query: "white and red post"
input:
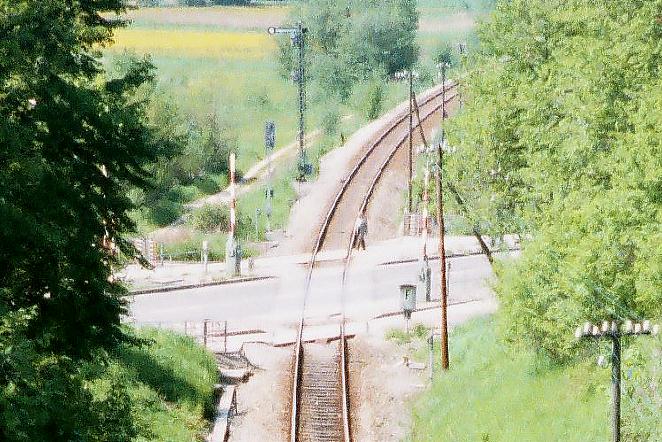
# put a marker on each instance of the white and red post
(233, 196)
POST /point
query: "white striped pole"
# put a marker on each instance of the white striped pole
(426, 183)
(233, 195)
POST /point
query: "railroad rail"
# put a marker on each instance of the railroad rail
(363, 172)
(320, 394)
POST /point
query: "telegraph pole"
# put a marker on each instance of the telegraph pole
(411, 141)
(410, 75)
(442, 229)
(610, 330)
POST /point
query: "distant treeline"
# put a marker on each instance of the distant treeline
(153, 3)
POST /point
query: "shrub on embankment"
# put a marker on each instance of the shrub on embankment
(160, 389)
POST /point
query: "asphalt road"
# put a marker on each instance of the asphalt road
(370, 290)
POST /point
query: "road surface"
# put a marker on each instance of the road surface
(371, 290)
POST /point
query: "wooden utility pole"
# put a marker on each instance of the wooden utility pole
(460, 202)
(456, 194)
(442, 229)
(411, 142)
(426, 199)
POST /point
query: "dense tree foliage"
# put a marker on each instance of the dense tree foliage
(200, 167)
(72, 141)
(351, 40)
(560, 141)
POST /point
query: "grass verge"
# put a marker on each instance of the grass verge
(170, 384)
(493, 394)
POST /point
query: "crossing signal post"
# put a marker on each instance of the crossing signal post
(297, 35)
(612, 331)
(269, 144)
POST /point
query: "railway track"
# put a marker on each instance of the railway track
(334, 231)
(320, 394)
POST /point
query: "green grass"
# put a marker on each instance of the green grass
(416, 334)
(493, 394)
(170, 383)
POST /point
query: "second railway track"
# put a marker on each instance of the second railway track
(334, 231)
(320, 394)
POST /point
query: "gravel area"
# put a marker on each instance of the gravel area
(380, 388)
(263, 401)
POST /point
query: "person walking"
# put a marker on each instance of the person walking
(360, 231)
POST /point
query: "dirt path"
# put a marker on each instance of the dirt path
(256, 175)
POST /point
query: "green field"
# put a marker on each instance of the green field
(220, 61)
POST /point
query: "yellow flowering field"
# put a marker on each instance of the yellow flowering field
(192, 43)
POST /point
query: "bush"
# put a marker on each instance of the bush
(418, 332)
(373, 100)
(165, 212)
(444, 53)
(190, 249)
(182, 194)
(207, 185)
(331, 120)
(217, 142)
(211, 218)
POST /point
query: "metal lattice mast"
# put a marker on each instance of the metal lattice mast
(411, 143)
(297, 35)
(302, 100)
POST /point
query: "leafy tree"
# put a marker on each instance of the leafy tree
(72, 141)
(444, 53)
(559, 141)
(349, 40)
